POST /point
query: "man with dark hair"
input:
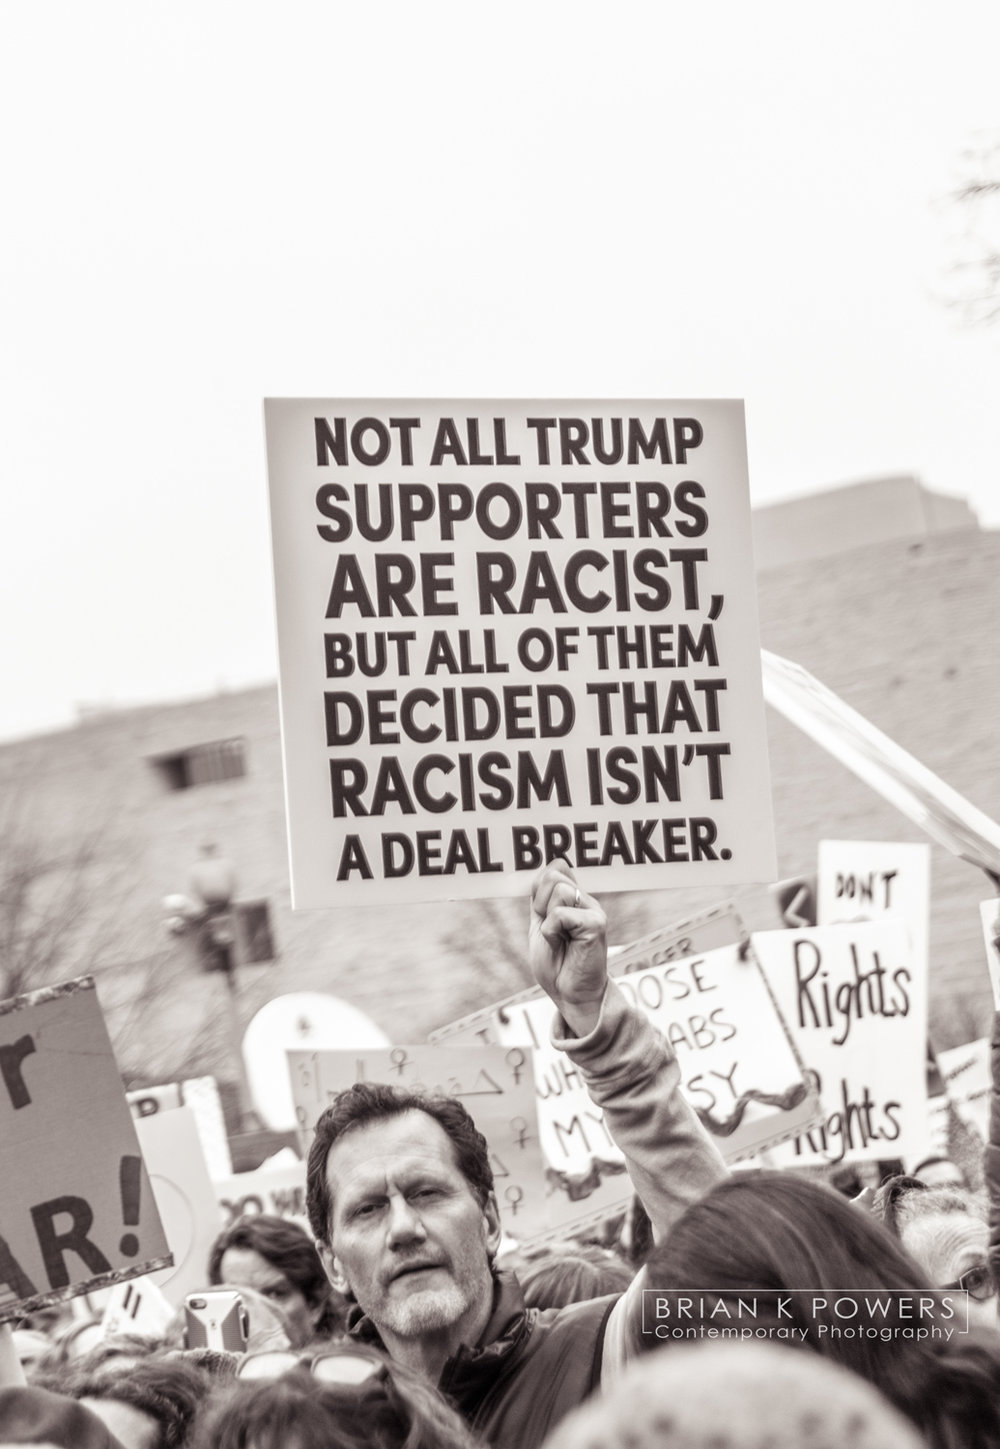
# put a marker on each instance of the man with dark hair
(367, 1103)
(401, 1201)
(278, 1258)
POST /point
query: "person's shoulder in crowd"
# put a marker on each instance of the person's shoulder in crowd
(32, 1415)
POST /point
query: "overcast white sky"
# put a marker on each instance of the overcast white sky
(205, 204)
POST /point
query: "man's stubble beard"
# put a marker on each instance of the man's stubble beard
(428, 1311)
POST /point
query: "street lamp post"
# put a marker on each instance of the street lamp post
(208, 916)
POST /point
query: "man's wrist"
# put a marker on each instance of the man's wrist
(581, 1017)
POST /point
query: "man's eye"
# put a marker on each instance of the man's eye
(978, 1283)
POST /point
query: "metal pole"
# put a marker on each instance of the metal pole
(248, 1119)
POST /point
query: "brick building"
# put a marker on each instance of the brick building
(893, 608)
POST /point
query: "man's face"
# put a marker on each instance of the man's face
(407, 1234)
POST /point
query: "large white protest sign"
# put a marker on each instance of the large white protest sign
(856, 1004)
(514, 630)
(76, 1208)
(874, 880)
(738, 1066)
(495, 1084)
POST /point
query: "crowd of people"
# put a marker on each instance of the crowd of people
(400, 1320)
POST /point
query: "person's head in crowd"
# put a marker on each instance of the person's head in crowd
(374, 1404)
(153, 1405)
(770, 1233)
(49, 1318)
(35, 1415)
(572, 1273)
(401, 1202)
(71, 1346)
(278, 1259)
(946, 1229)
(736, 1396)
(116, 1354)
(940, 1172)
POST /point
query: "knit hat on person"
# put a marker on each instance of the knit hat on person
(37, 1416)
(736, 1396)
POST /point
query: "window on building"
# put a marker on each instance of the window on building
(253, 932)
(203, 764)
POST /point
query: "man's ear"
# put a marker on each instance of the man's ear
(332, 1268)
(494, 1232)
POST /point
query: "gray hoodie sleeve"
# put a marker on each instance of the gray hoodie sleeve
(631, 1073)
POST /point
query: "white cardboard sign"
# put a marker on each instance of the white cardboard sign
(510, 630)
(201, 1094)
(873, 880)
(968, 1080)
(855, 1002)
(739, 1069)
(278, 1189)
(496, 1086)
(138, 1306)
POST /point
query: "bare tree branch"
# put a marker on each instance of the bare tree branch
(973, 273)
(63, 892)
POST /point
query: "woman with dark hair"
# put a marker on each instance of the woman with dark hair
(349, 1396)
(278, 1259)
(770, 1235)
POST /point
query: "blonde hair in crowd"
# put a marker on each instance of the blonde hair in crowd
(736, 1396)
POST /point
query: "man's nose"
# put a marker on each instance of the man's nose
(405, 1225)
